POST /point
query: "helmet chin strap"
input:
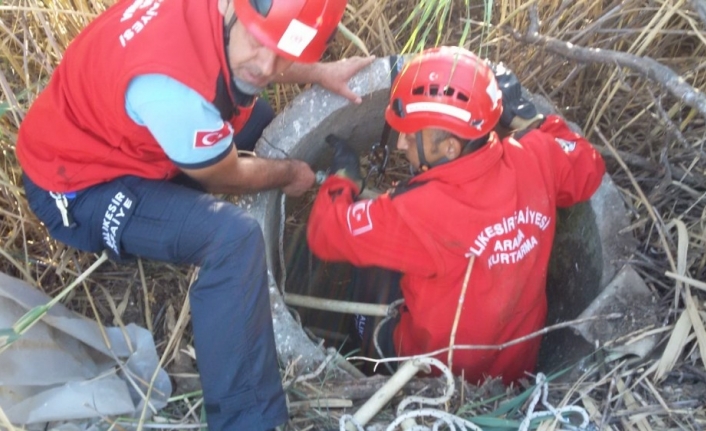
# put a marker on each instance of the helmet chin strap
(424, 165)
(229, 20)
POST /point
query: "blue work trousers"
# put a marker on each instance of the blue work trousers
(230, 307)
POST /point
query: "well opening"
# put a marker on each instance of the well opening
(589, 247)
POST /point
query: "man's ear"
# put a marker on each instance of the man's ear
(452, 148)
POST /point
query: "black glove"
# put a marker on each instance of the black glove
(345, 160)
(518, 112)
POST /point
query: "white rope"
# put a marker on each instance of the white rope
(541, 392)
(450, 387)
(455, 423)
(443, 418)
(348, 422)
(348, 419)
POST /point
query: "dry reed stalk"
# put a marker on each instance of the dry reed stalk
(459, 308)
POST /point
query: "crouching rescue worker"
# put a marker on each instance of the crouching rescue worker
(475, 198)
(143, 116)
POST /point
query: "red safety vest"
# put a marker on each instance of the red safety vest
(498, 205)
(77, 133)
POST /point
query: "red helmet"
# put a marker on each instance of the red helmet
(298, 30)
(446, 88)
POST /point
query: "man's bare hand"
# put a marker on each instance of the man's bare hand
(335, 75)
(302, 180)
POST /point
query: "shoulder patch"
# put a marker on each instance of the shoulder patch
(209, 138)
(567, 146)
(359, 220)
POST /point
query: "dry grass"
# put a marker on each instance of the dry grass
(652, 138)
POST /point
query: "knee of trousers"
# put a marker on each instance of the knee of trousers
(234, 230)
(238, 236)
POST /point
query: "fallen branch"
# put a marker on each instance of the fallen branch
(645, 66)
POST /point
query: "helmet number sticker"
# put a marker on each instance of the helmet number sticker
(296, 38)
(494, 92)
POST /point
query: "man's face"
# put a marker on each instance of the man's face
(252, 62)
(407, 143)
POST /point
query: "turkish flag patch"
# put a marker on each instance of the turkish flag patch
(359, 217)
(209, 138)
(567, 146)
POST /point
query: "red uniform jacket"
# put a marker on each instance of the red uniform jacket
(77, 133)
(497, 204)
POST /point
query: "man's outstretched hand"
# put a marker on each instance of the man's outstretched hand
(336, 75)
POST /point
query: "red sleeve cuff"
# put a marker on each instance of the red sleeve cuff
(335, 181)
